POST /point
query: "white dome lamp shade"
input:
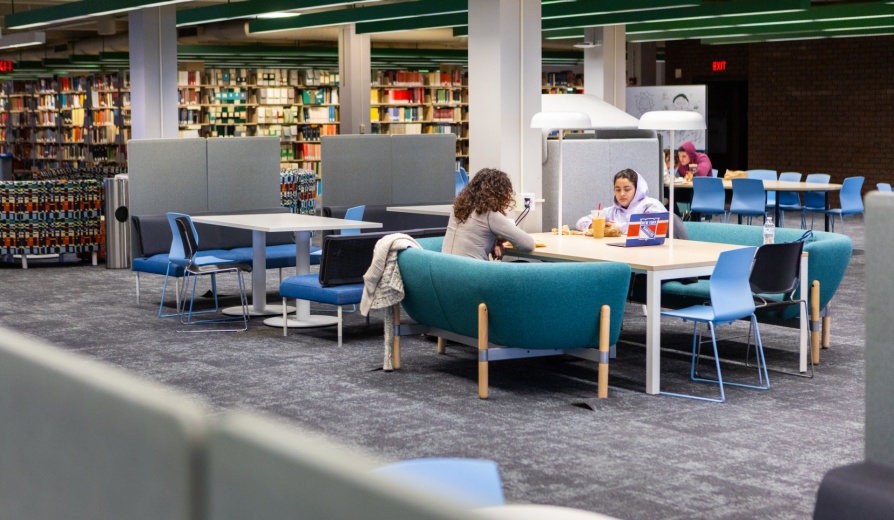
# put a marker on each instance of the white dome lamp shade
(671, 120)
(561, 121)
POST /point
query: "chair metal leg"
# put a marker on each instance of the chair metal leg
(696, 347)
(137, 279)
(808, 375)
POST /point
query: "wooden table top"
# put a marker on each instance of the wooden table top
(678, 254)
(272, 222)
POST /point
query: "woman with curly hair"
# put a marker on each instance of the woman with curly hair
(478, 220)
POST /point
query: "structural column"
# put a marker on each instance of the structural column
(354, 78)
(605, 65)
(504, 92)
(153, 72)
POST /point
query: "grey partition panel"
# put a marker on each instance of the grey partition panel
(423, 168)
(84, 441)
(262, 470)
(243, 173)
(879, 329)
(588, 168)
(356, 169)
(167, 175)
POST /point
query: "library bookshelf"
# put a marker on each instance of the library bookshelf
(65, 121)
(298, 106)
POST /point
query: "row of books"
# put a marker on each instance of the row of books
(561, 79)
(309, 151)
(47, 101)
(105, 116)
(409, 129)
(261, 77)
(414, 78)
(78, 83)
(104, 135)
(287, 132)
(326, 96)
(189, 116)
(227, 115)
(276, 115)
(276, 96)
(72, 100)
(396, 114)
(109, 99)
(313, 133)
(320, 114)
(231, 96)
(390, 96)
(311, 166)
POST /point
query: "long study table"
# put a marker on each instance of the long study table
(672, 260)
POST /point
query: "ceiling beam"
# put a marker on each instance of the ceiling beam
(415, 23)
(706, 11)
(250, 8)
(81, 10)
(802, 35)
(374, 13)
(580, 8)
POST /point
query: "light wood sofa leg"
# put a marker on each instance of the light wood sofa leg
(604, 327)
(395, 345)
(814, 318)
(482, 351)
(442, 347)
(93, 258)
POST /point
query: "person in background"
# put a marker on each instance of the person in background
(687, 155)
(478, 224)
(631, 198)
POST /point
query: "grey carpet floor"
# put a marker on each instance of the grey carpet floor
(633, 456)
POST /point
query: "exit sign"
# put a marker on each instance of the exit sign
(718, 66)
(6, 66)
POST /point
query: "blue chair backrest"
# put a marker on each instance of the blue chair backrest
(475, 482)
(465, 176)
(789, 198)
(816, 199)
(177, 255)
(355, 213)
(748, 194)
(459, 182)
(730, 287)
(765, 175)
(708, 194)
(851, 196)
(883, 186)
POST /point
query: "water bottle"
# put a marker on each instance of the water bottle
(769, 231)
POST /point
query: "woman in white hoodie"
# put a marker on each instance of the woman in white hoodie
(631, 198)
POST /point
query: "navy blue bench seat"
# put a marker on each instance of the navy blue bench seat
(151, 242)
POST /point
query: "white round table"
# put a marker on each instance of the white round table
(538, 512)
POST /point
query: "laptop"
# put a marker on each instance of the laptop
(645, 229)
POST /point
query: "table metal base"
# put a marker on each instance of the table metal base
(311, 321)
(268, 310)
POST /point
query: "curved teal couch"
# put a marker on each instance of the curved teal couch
(533, 309)
(828, 255)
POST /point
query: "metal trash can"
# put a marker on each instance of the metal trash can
(117, 223)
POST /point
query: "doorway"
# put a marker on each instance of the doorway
(727, 124)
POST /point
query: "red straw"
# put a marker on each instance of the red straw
(599, 207)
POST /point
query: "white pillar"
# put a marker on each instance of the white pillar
(504, 92)
(605, 66)
(153, 72)
(354, 78)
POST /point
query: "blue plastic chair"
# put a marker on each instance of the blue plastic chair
(851, 198)
(731, 300)
(708, 196)
(177, 262)
(461, 180)
(465, 176)
(749, 199)
(355, 213)
(814, 201)
(883, 186)
(474, 482)
(766, 175)
(788, 200)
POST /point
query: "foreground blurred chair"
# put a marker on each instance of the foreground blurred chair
(814, 201)
(708, 197)
(474, 482)
(775, 277)
(731, 301)
(749, 199)
(851, 198)
(788, 200)
(189, 239)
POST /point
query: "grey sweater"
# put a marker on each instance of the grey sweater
(475, 237)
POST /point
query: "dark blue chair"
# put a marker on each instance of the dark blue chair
(731, 300)
(749, 199)
(851, 198)
(814, 201)
(766, 175)
(473, 482)
(788, 200)
(708, 197)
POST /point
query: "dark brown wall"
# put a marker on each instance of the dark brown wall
(813, 105)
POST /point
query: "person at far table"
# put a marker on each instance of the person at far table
(687, 155)
(478, 224)
(631, 198)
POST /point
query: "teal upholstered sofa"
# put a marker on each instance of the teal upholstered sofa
(511, 310)
(828, 255)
